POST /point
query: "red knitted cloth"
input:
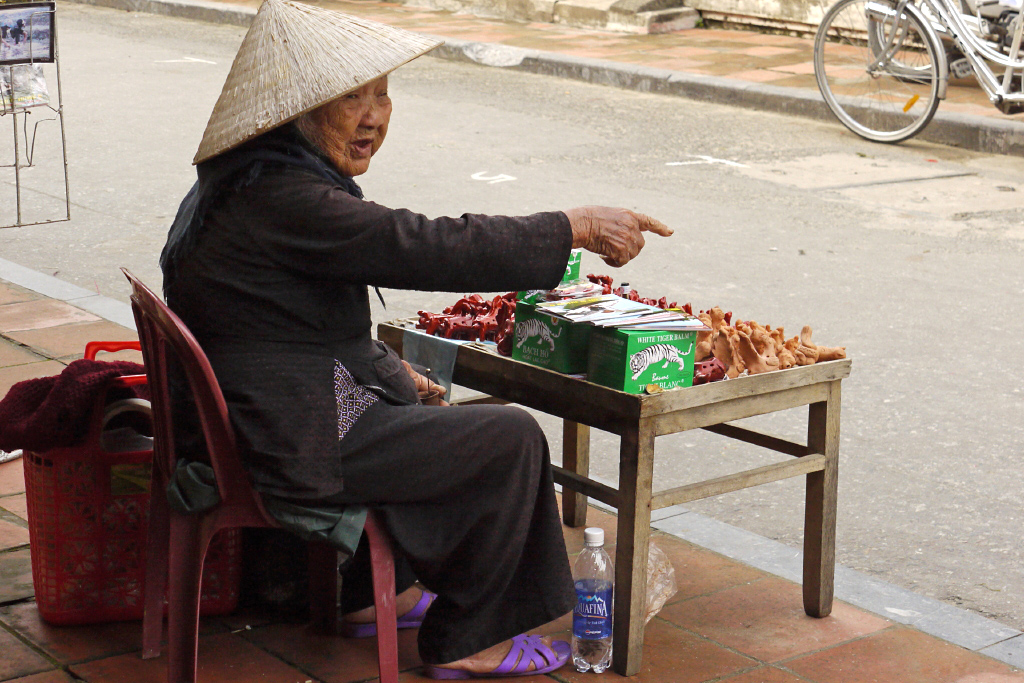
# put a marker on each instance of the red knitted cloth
(52, 412)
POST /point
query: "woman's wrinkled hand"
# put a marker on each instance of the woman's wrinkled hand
(616, 235)
(429, 392)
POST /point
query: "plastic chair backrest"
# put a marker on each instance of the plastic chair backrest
(164, 336)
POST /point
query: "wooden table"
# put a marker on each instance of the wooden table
(638, 420)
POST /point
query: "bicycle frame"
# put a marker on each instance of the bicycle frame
(964, 30)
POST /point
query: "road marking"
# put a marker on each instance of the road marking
(185, 60)
(491, 179)
(701, 159)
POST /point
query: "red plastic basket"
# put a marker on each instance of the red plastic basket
(88, 517)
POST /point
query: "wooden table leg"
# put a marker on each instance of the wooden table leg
(820, 511)
(636, 475)
(575, 458)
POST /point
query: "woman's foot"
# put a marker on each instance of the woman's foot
(411, 606)
(403, 603)
(524, 655)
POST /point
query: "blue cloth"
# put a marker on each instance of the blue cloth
(193, 489)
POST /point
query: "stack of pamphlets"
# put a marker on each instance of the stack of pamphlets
(609, 310)
(22, 86)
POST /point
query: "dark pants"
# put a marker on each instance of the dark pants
(467, 495)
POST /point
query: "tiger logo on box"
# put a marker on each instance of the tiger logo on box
(643, 359)
(535, 328)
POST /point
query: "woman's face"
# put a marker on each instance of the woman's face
(352, 128)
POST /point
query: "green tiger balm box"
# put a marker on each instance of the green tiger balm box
(630, 360)
(572, 275)
(548, 341)
(572, 268)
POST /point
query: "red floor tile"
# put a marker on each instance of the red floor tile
(16, 575)
(12, 535)
(10, 376)
(12, 477)
(34, 315)
(672, 655)
(69, 644)
(13, 354)
(55, 676)
(763, 674)
(766, 51)
(223, 658)
(12, 294)
(765, 619)
(758, 76)
(699, 571)
(332, 659)
(902, 655)
(16, 504)
(245, 618)
(800, 68)
(70, 340)
(683, 51)
(417, 676)
(18, 659)
(675, 64)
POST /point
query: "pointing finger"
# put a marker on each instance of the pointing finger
(649, 224)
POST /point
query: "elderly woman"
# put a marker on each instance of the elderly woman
(269, 262)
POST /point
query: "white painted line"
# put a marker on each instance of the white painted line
(501, 177)
(185, 60)
(702, 159)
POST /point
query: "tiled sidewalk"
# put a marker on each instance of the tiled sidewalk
(728, 622)
(747, 56)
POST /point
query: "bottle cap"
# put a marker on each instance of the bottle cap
(593, 536)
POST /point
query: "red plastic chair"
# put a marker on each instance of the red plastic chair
(177, 543)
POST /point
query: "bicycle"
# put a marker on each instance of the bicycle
(882, 65)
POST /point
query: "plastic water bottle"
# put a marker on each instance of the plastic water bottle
(594, 577)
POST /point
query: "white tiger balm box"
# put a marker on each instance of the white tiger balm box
(630, 360)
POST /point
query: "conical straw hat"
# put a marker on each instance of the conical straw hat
(296, 57)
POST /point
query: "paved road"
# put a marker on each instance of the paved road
(910, 256)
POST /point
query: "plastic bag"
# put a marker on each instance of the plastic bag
(661, 581)
(24, 85)
(127, 426)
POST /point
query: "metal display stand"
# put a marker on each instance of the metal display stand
(24, 144)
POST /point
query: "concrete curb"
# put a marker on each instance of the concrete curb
(49, 286)
(976, 133)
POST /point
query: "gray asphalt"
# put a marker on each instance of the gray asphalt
(910, 256)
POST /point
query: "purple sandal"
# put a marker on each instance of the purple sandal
(411, 619)
(526, 650)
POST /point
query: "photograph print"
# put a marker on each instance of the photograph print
(26, 33)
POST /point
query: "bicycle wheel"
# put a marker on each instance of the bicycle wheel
(878, 74)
